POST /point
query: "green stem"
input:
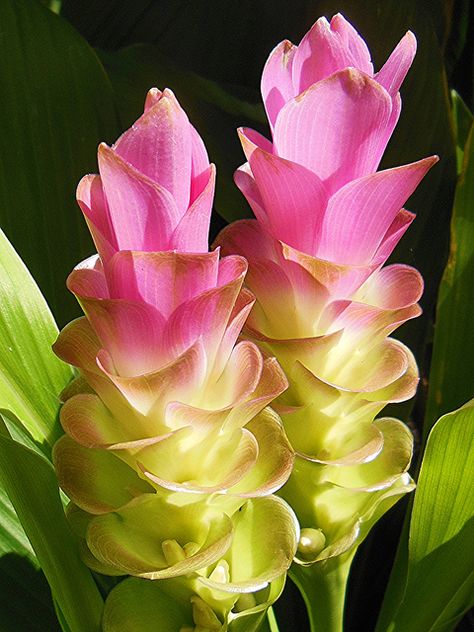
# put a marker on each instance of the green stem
(272, 622)
(323, 587)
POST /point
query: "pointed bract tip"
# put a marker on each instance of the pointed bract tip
(322, 21)
(336, 18)
(105, 153)
(411, 36)
(84, 184)
(169, 94)
(153, 96)
(430, 161)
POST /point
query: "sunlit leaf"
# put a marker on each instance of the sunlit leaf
(22, 580)
(30, 482)
(439, 585)
(31, 375)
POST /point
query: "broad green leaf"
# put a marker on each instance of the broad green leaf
(57, 105)
(212, 110)
(452, 364)
(439, 585)
(31, 375)
(30, 482)
(12, 537)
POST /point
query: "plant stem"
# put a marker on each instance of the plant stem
(272, 622)
(323, 587)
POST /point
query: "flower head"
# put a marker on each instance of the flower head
(316, 186)
(155, 188)
(326, 222)
(170, 453)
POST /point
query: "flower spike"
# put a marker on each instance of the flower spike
(171, 456)
(326, 221)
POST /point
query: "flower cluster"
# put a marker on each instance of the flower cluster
(170, 456)
(327, 220)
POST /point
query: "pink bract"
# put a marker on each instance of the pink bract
(316, 186)
(326, 222)
(155, 188)
(168, 434)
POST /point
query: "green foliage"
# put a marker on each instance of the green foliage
(452, 365)
(56, 106)
(438, 587)
(31, 375)
(22, 579)
(31, 484)
(462, 122)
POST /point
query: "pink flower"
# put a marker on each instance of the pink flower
(326, 222)
(155, 188)
(316, 187)
(167, 431)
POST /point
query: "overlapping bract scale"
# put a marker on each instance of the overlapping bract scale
(171, 456)
(326, 221)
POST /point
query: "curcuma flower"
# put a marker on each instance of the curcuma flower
(170, 456)
(327, 220)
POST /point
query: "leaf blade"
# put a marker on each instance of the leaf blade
(30, 482)
(439, 586)
(32, 376)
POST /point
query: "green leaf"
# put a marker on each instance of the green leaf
(22, 579)
(439, 586)
(57, 104)
(30, 482)
(462, 122)
(452, 365)
(31, 375)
